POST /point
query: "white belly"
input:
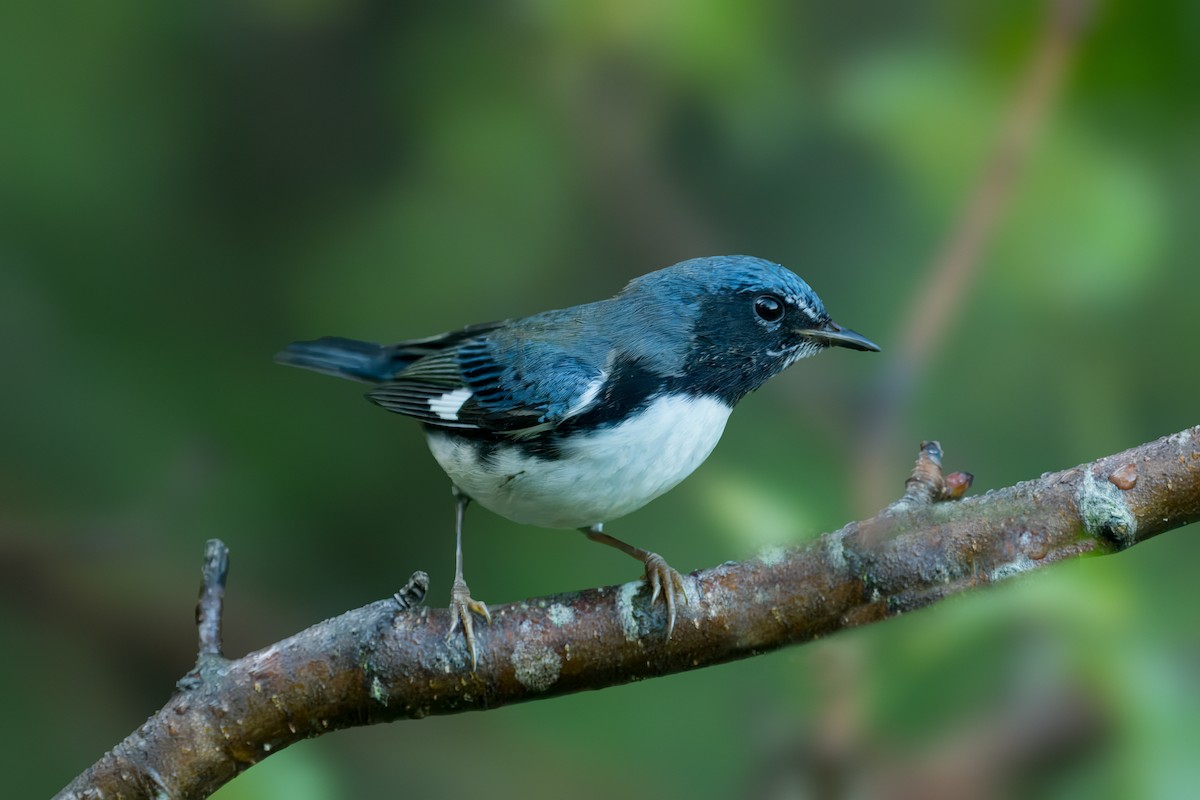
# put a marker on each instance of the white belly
(597, 478)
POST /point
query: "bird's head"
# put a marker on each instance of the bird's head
(745, 320)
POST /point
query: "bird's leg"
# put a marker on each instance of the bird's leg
(461, 603)
(661, 577)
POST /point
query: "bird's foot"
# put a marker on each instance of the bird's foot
(665, 580)
(462, 606)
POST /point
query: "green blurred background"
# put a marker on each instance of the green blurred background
(186, 187)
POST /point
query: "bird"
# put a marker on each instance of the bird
(572, 418)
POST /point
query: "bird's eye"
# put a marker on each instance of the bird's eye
(768, 307)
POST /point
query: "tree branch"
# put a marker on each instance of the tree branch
(389, 660)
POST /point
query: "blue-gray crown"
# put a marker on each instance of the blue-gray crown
(692, 280)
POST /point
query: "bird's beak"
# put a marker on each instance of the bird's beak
(833, 335)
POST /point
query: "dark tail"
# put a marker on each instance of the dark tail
(344, 358)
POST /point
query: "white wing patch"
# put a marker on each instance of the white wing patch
(447, 405)
(589, 395)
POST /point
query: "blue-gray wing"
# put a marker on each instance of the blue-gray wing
(494, 382)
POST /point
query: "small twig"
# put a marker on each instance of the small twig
(412, 594)
(209, 607)
(927, 484)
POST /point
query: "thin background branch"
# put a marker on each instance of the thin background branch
(949, 278)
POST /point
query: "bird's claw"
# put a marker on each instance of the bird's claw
(462, 606)
(665, 580)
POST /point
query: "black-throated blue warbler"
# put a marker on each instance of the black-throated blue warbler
(575, 417)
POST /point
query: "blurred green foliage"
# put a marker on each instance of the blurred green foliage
(184, 188)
